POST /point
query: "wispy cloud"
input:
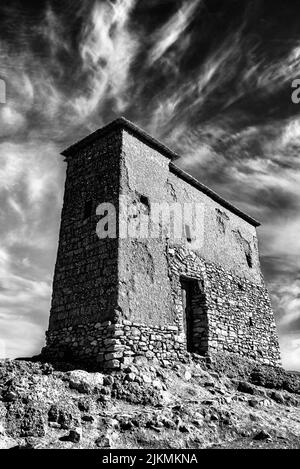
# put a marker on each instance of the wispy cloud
(172, 31)
(107, 50)
(290, 351)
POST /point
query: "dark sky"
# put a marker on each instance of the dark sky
(210, 78)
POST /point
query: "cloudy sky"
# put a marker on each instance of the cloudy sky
(210, 78)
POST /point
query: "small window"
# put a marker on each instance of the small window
(188, 233)
(88, 207)
(144, 200)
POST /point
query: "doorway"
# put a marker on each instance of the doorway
(195, 323)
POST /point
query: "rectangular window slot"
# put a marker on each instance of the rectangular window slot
(188, 233)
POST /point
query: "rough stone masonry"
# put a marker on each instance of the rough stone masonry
(115, 298)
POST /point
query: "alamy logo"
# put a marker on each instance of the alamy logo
(174, 221)
(2, 91)
(295, 96)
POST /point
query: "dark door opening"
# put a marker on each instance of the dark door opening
(187, 295)
(195, 323)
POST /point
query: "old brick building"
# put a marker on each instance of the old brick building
(121, 296)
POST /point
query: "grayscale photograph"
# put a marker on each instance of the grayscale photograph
(149, 228)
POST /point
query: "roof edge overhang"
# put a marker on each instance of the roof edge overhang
(212, 194)
(121, 123)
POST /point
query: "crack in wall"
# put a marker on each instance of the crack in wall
(246, 247)
(222, 219)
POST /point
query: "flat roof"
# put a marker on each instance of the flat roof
(123, 123)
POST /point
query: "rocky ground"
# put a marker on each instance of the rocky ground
(224, 403)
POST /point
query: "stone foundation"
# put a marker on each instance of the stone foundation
(110, 345)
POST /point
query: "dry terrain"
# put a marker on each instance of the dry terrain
(224, 403)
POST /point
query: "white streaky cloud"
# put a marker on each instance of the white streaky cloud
(216, 71)
(290, 351)
(107, 50)
(290, 133)
(282, 236)
(197, 153)
(11, 121)
(268, 173)
(203, 155)
(16, 288)
(24, 303)
(288, 301)
(49, 100)
(52, 31)
(193, 93)
(31, 189)
(20, 87)
(162, 114)
(4, 259)
(219, 67)
(24, 339)
(20, 98)
(34, 166)
(31, 85)
(16, 207)
(171, 32)
(19, 290)
(269, 78)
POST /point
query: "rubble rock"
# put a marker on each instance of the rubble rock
(75, 435)
(85, 382)
(262, 435)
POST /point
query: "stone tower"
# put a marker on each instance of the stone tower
(157, 295)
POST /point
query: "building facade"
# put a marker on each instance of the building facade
(177, 271)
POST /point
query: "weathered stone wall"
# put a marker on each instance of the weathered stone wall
(117, 298)
(237, 313)
(111, 346)
(85, 285)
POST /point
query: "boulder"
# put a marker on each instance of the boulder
(245, 387)
(8, 443)
(88, 418)
(32, 422)
(108, 380)
(277, 397)
(146, 378)
(103, 442)
(75, 435)
(83, 406)
(85, 382)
